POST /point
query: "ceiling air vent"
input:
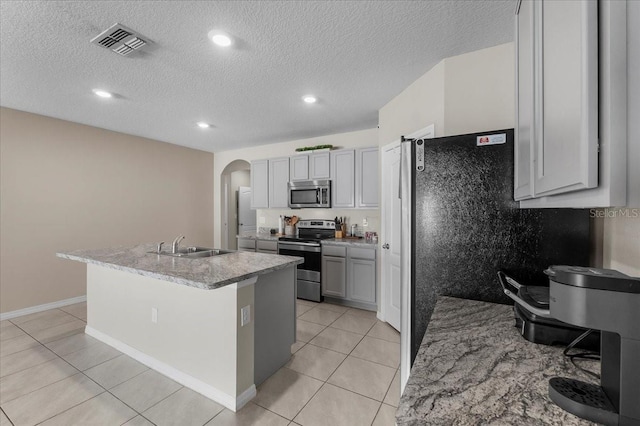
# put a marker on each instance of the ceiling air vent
(120, 39)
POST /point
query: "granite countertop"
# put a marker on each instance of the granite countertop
(254, 235)
(207, 273)
(361, 242)
(473, 367)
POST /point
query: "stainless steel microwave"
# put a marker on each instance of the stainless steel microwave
(310, 194)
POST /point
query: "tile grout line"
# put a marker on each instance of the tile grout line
(324, 382)
(74, 406)
(82, 372)
(142, 415)
(78, 371)
(72, 366)
(74, 318)
(7, 416)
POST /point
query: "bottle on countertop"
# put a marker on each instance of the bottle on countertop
(354, 229)
(281, 225)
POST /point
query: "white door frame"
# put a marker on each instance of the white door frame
(426, 133)
(406, 255)
(384, 285)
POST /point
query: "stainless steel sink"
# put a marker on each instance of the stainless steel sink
(194, 252)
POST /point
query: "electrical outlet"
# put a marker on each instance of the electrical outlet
(263, 220)
(154, 315)
(245, 315)
(365, 222)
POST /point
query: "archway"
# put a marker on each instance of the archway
(234, 175)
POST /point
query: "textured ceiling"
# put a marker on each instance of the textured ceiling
(354, 56)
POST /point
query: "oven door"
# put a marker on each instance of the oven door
(310, 269)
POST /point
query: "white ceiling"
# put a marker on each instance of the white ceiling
(354, 56)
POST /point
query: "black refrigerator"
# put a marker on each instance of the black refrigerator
(461, 225)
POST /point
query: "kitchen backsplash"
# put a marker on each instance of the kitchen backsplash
(268, 219)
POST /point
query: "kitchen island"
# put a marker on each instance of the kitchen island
(473, 367)
(219, 325)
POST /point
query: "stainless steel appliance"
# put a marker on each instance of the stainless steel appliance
(310, 193)
(307, 245)
(606, 300)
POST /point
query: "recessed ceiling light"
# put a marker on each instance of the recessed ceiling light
(102, 93)
(220, 38)
(203, 125)
(310, 99)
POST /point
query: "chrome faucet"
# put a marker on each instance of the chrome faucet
(176, 243)
(160, 247)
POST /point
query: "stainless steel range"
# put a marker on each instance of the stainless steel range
(307, 245)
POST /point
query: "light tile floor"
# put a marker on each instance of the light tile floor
(344, 371)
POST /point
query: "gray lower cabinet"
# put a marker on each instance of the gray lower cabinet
(246, 244)
(267, 246)
(362, 280)
(349, 274)
(259, 246)
(334, 276)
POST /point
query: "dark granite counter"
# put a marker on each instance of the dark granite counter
(207, 273)
(473, 368)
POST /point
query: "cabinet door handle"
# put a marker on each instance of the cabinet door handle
(385, 246)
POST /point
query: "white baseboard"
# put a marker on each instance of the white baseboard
(230, 402)
(40, 308)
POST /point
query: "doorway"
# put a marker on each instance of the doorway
(246, 216)
(391, 287)
(234, 176)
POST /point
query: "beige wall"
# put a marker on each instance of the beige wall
(417, 106)
(621, 240)
(479, 91)
(359, 139)
(468, 93)
(66, 186)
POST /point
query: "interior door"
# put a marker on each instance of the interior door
(391, 234)
(246, 216)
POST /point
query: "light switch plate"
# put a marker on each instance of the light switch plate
(154, 315)
(245, 315)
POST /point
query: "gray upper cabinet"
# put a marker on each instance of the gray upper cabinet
(299, 167)
(571, 145)
(343, 178)
(367, 177)
(556, 148)
(260, 184)
(278, 178)
(319, 166)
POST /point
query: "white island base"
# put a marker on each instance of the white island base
(195, 336)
